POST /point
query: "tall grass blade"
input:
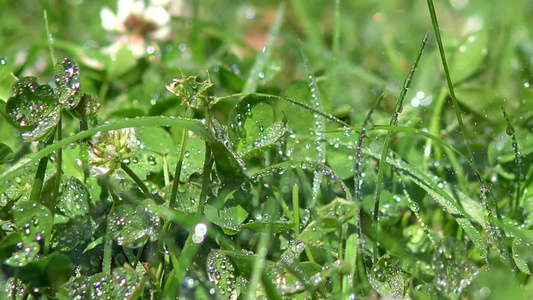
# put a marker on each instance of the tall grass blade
(262, 58)
(318, 126)
(447, 202)
(393, 122)
(495, 231)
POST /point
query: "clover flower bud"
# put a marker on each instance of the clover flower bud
(108, 149)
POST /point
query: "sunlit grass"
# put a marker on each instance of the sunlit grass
(300, 149)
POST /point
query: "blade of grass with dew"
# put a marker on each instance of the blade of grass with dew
(314, 166)
(444, 199)
(415, 208)
(518, 161)
(319, 125)
(179, 164)
(226, 161)
(358, 183)
(393, 122)
(267, 97)
(495, 231)
(420, 132)
(262, 57)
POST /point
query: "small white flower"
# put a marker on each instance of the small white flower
(136, 23)
(108, 149)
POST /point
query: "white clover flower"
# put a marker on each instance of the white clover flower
(136, 23)
(108, 149)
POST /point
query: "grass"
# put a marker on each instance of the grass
(286, 149)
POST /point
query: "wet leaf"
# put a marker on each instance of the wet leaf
(268, 225)
(469, 56)
(193, 160)
(484, 102)
(252, 127)
(222, 272)
(7, 79)
(42, 128)
(445, 200)
(67, 79)
(522, 254)
(33, 220)
(156, 139)
(26, 253)
(496, 283)
(74, 199)
(127, 227)
(266, 139)
(336, 213)
(227, 218)
(30, 102)
(124, 283)
(77, 230)
(387, 277)
(132, 226)
(339, 157)
(50, 271)
(6, 154)
(13, 288)
(330, 218)
(93, 244)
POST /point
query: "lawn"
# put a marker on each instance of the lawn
(231, 149)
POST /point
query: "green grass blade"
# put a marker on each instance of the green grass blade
(262, 58)
(319, 124)
(447, 202)
(49, 38)
(268, 97)
(393, 122)
(316, 167)
(227, 162)
(496, 231)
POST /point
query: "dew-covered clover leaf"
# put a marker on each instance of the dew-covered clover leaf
(253, 128)
(33, 219)
(132, 227)
(123, 283)
(330, 217)
(387, 277)
(67, 79)
(33, 106)
(222, 272)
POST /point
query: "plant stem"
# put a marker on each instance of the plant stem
(296, 210)
(137, 180)
(108, 241)
(38, 182)
(179, 164)
(190, 248)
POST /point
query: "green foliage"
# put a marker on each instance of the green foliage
(212, 150)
